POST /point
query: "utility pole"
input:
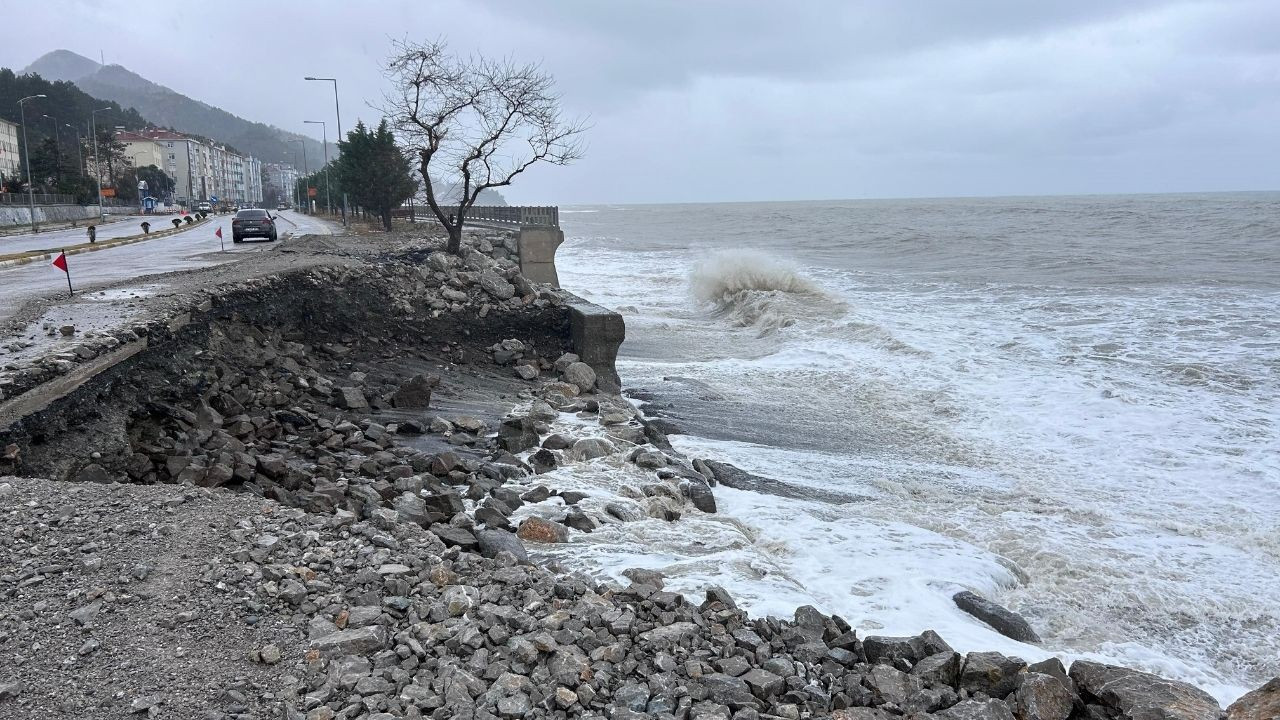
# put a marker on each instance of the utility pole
(97, 161)
(26, 149)
(338, 111)
(324, 133)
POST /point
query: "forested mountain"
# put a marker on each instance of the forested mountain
(166, 108)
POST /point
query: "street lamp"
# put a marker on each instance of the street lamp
(79, 155)
(97, 161)
(31, 188)
(306, 186)
(338, 112)
(324, 133)
(57, 143)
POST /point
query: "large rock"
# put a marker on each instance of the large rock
(1261, 704)
(416, 392)
(1134, 695)
(728, 690)
(1005, 621)
(1041, 697)
(517, 434)
(939, 669)
(536, 529)
(496, 285)
(493, 541)
(991, 673)
(580, 374)
(350, 398)
(590, 448)
(700, 495)
(360, 641)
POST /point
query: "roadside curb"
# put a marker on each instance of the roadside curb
(105, 245)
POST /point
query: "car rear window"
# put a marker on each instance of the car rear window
(251, 214)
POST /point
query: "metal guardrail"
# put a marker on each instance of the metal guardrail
(510, 215)
(14, 198)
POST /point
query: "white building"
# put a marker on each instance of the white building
(284, 178)
(10, 160)
(202, 171)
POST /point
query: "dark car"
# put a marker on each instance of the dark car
(253, 223)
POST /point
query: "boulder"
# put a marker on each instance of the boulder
(517, 434)
(493, 541)
(591, 448)
(360, 641)
(1041, 697)
(1135, 695)
(350, 398)
(700, 495)
(536, 529)
(496, 285)
(991, 673)
(1261, 704)
(1005, 621)
(939, 669)
(416, 392)
(580, 374)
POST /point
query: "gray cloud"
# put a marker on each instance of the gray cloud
(725, 100)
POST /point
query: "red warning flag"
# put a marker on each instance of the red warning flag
(219, 233)
(60, 262)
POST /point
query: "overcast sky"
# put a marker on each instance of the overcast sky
(735, 100)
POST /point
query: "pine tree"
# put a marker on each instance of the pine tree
(373, 170)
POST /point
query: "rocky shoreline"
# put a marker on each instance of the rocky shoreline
(302, 499)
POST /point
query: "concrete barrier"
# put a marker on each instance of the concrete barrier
(16, 216)
(596, 333)
(538, 253)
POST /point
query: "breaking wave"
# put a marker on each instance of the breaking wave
(754, 289)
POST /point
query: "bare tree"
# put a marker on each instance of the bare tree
(475, 121)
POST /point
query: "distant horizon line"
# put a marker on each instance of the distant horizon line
(921, 197)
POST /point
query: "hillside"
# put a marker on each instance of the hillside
(64, 101)
(163, 106)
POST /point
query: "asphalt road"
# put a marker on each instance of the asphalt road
(194, 248)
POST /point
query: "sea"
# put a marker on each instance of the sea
(1069, 405)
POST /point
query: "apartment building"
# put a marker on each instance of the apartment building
(201, 170)
(10, 160)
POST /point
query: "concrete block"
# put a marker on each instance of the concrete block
(538, 253)
(596, 334)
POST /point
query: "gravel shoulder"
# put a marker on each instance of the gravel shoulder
(108, 604)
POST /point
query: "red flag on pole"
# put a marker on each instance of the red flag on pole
(60, 262)
(219, 233)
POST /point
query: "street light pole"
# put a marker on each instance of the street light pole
(306, 186)
(79, 155)
(26, 149)
(338, 111)
(57, 144)
(97, 161)
(324, 133)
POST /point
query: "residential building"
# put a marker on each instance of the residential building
(284, 178)
(10, 160)
(201, 170)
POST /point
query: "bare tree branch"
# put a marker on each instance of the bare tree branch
(480, 121)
